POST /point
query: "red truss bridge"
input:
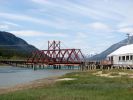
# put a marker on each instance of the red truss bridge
(56, 56)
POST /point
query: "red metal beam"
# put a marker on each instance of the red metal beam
(55, 55)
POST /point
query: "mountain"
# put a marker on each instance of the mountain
(11, 46)
(111, 49)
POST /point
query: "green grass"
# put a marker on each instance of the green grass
(85, 87)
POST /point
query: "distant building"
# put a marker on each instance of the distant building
(122, 56)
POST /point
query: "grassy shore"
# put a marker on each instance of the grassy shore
(85, 86)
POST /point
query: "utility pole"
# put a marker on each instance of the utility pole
(128, 38)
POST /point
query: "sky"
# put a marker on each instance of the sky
(90, 25)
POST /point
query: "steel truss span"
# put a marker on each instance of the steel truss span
(56, 56)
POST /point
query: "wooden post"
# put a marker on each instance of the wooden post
(34, 67)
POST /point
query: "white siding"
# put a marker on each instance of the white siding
(116, 60)
(122, 51)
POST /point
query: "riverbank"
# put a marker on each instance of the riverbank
(34, 84)
(89, 85)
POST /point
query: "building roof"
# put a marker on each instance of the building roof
(128, 49)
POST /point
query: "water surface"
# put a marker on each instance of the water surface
(11, 76)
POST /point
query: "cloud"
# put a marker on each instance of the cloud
(79, 41)
(57, 24)
(124, 24)
(81, 35)
(85, 22)
(40, 1)
(23, 18)
(94, 12)
(31, 33)
(99, 26)
(11, 24)
(126, 30)
(4, 27)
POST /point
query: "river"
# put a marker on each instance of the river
(11, 76)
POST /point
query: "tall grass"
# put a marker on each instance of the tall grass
(85, 87)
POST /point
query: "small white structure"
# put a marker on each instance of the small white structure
(122, 56)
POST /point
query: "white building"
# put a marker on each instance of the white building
(122, 56)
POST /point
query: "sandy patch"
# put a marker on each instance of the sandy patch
(130, 76)
(66, 79)
(123, 73)
(109, 75)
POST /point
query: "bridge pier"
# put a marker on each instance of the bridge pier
(34, 67)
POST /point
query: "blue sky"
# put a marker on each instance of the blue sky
(91, 25)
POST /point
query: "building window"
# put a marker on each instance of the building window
(127, 57)
(119, 58)
(123, 58)
(131, 57)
